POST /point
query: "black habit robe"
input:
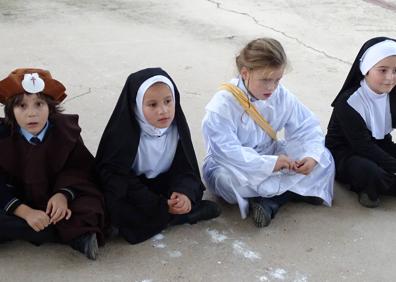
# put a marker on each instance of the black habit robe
(34, 173)
(137, 205)
(348, 136)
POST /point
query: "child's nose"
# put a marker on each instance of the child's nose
(32, 112)
(271, 85)
(163, 109)
(391, 75)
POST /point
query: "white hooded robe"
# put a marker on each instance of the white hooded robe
(241, 156)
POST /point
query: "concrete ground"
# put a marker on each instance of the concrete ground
(92, 46)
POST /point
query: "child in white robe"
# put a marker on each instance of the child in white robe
(244, 164)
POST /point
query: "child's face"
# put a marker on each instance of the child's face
(382, 77)
(158, 105)
(263, 81)
(32, 113)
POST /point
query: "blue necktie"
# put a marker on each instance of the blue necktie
(35, 140)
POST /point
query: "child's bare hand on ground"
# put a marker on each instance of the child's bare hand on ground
(305, 166)
(57, 208)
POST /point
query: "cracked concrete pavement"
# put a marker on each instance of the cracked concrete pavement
(92, 46)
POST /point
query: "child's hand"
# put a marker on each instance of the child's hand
(57, 208)
(283, 162)
(179, 203)
(305, 166)
(37, 219)
(171, 203)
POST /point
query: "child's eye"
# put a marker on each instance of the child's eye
(22, 106)
(383, 70)
(152, 105)
(168, 101)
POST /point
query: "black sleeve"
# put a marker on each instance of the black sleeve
(183, 179)
(360, 139)
(68, 193)
(8, 196)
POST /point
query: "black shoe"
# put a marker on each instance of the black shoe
(178, 219)
(365, 201)
(260, 212)
(316, 201)
(111, 232)
(86, 244)
(204, 210)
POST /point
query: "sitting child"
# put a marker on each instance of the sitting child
(147, 162)
(47, 191)
(246, 163)
(364, 114)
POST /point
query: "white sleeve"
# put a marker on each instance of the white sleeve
(302, 131)
(224, 146)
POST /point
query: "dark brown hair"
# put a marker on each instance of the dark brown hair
(11, 103)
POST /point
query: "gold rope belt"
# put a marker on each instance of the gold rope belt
(250, 108)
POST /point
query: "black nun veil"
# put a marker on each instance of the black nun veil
(120, 140)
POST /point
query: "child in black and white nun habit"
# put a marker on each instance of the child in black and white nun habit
(246, 163)
(147, 162)
(363, 117)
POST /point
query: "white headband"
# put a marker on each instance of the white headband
(144, 124)
(376, 53)
(147, 84)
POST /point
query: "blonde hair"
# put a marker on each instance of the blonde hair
(266, 53)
